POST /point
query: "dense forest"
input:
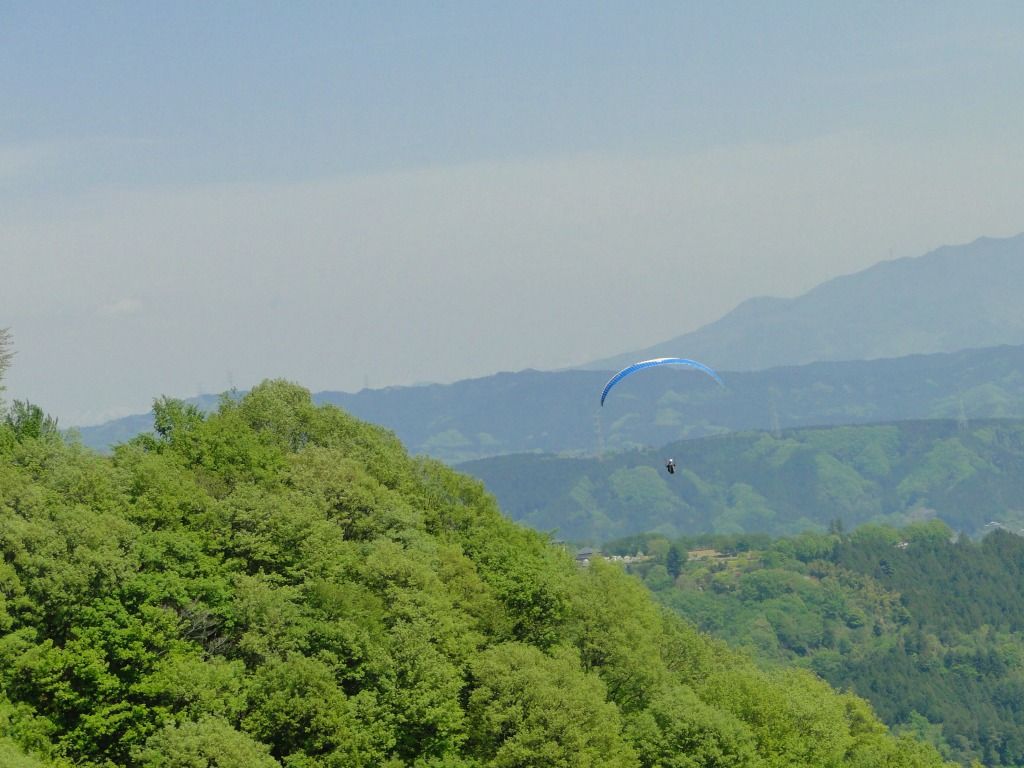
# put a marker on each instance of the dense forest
(279, 584)
(923, 623)
(967, 474)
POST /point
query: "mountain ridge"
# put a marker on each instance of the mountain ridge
(951, 298)
(779, 483)
(558, 412)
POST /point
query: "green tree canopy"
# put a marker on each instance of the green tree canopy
(281, 584)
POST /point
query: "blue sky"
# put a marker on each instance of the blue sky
(194, 195)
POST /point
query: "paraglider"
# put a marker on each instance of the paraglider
(631, 369)
(670, 464)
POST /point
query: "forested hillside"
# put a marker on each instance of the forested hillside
(279, 584)
(966, 474)
(558, 412)
(925, 627)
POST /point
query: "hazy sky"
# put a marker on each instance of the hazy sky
(199, 195)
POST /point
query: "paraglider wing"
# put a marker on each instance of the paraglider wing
(631, 369)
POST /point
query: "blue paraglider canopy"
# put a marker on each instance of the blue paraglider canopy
(631, 369)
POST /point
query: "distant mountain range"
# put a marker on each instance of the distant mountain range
(956, 297)
(558, 412)
(937, 336)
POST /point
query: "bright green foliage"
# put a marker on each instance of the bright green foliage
(26, 420)
(196, 685)
(528, 708)
(12, 756)
(278, 584)
(298, 706)
(619, 631)
(679, 730)
(208, 743)
(792, 722)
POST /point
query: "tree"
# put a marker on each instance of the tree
(5, 353)
(11, 756)
(529, 708)
(208, 742)
(675, 561)
(679, 730)
(30, 421)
